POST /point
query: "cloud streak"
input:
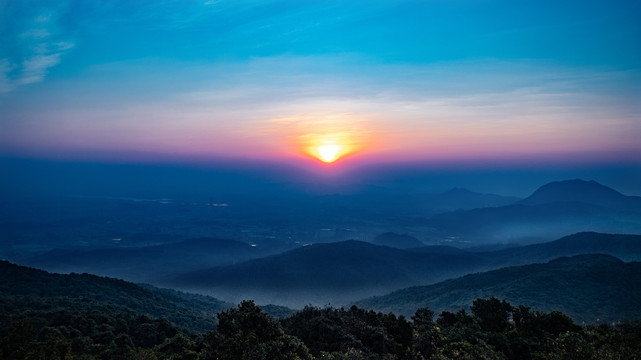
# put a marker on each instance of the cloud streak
(36, 48)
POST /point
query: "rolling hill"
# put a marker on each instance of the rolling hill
(341, 272)
(22, 287)
(323, 273)
(622, 246)
(589, 288)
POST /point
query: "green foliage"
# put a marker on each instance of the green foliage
(246, 332)
(426, 337)
(338, 332)
(25, 288)
(106, 319)
(96, 334)
(493, 314)
(588, 288)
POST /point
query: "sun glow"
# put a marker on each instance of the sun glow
(326, 138)
(328, 153)
(331, 147)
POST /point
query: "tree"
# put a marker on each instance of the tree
(18, 342)
(427, 338)
(246, 332)
(493, 314)
(423, 319)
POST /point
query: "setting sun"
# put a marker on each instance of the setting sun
(328, 153)
(326, 139)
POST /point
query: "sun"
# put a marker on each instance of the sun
(329, 147)
(328, 153)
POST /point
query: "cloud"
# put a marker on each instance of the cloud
(32, 47)
(34, 69)
(5, 69)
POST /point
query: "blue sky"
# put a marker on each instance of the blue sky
(387, 80)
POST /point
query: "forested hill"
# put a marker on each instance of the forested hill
(588, 288)
(47, 292)
(327, 273)
(626, 247)
(48, 316)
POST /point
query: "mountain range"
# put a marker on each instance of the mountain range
(325, 273)
(589, 288)
(345, 271)
(553, 210)
(22, 287)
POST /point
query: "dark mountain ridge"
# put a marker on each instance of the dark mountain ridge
(581, 191)
(323, 273)
(589, 288)
(340, 272)
(623, 246)
(20, 285)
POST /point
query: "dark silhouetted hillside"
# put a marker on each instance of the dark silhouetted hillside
(341, 272)
(322, 273)
(587, 287)
(581, 191)
(20, 286)
(624, 247)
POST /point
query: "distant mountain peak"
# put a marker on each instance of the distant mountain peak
(578, 190)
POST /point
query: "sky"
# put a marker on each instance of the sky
(442, 81)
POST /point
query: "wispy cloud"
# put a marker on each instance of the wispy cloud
(36, 46)
(34, 69)
(5, 69)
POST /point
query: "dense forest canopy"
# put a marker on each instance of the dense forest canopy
(82, 316)
(493, 330)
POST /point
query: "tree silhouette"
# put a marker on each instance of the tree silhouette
(247, 333)
(493, 314)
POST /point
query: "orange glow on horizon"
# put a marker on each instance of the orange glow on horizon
(327, 138)
(329, 153)
(328, 148)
